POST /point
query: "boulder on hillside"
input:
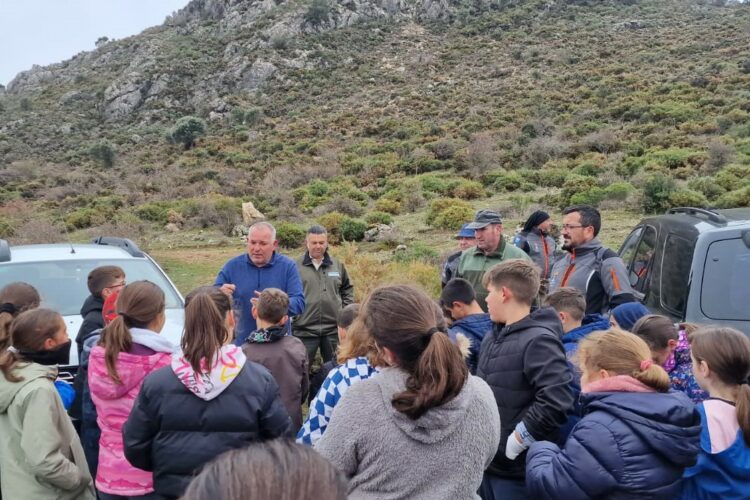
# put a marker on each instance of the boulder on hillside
(250, 214)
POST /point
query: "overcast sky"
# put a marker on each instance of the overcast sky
(48, 31)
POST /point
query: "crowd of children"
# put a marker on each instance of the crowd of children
(425, 399)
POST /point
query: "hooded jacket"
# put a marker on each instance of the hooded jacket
(388, 456)
(539, 246)
(281, 272)
(723, 468)
(113, 402)
(474, 327)
(91, 312)
(629, 444)
(40, 454)
(596, 271)
(590, 323)
(286, 358)
(327, 289)
(183, 419)
(524, 364)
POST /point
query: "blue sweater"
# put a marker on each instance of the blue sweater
(628, 445)
(474, 327)
(281, 272)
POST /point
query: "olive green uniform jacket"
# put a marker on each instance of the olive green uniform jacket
(40, 454)
(327, 290)
(473, 263)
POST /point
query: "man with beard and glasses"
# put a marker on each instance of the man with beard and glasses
(598, 272)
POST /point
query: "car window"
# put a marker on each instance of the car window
(726, 275)
(62, 284)
(642, 260)
(628, 248)
(675, 273)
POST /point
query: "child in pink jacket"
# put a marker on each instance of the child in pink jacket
(130, 348)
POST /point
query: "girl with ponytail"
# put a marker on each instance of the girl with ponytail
(129, 349)
(40, 454)
(721, 365)
(210, 399)
(636, 436)
(424, 409)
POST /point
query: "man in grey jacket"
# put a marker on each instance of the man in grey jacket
(590, 267)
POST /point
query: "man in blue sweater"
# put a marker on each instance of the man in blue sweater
(244, 277)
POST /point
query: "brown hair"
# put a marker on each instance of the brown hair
(656, 330)
(22, 297)
(280, 469)
(406, 321)
(621, 353)
(138, 304)
(103, 277)
(569, 300)
(347, 315)
(520, 276)
(359, 343)
(726, 351)
(272, 305)
(28, 331)
(206, 309)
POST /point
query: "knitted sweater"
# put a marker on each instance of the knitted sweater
(388, 456)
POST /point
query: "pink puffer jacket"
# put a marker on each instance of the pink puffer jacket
(113, 403)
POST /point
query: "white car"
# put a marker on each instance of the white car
(60, 271)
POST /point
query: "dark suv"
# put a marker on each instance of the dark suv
(693, 265)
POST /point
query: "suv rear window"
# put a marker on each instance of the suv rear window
(725, 281)
(62, 284)
(675, 273)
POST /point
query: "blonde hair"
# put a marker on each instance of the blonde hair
(359, 343)
(622, 353)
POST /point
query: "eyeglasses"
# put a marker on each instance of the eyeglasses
(568, 227)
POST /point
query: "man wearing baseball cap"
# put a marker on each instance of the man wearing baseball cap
(466, 240)
(490, 249)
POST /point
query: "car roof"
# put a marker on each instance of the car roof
(65, 251)
(704, 220)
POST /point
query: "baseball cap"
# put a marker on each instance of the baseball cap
(484, 218)
(465, 232)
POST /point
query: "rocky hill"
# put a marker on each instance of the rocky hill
(383, 105)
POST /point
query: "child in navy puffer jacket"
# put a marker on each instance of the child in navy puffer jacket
(635, 438)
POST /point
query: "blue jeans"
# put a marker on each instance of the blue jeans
(501, 488)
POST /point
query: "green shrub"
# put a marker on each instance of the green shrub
(318, 13)
(619, 190)
(707, 186)
(377, 217)
(449, 213)
(443, 150)
(352, 229)
(418, 252)
(591, 197)
(552, 177)
(573, 185)
(687, 198)
(83, 218)
(733, 177)
(656, 192)
(103, 153)
(437, 184)
(187, 130)
(153, 212)
(331, 221)
(388, 205)
(6, 229)
(737, 198)
(511, 181)
(469, 190)
(290, 235)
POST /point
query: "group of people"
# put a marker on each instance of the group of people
(501, 388)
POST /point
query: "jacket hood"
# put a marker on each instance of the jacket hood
(131, 368)
(209, 383)
(589, 246)
(667, 422)
(590, 323)
(434, 425)
(474, 323)
(29, 372)
(92, 304)
(544, 317)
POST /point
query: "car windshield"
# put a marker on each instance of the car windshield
(725, 278)
(62, 284)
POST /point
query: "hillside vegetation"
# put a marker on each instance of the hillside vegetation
(352, 113)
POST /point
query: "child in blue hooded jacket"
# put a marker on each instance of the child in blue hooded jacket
(635, 438)
(460, 301)
(721, 364)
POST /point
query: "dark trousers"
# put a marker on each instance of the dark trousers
(501, 488)
(326, 343)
